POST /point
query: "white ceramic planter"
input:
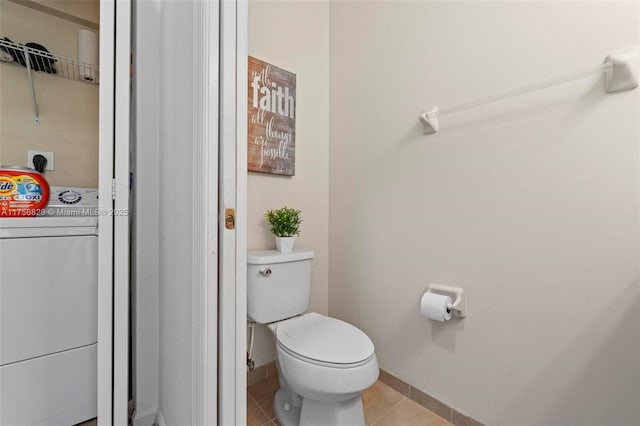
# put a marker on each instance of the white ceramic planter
(284, 244)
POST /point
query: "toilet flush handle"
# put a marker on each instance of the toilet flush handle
(266, 272)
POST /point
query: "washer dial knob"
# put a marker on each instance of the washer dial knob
(69, 197)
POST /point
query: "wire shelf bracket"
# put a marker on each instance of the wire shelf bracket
(35, 60)
(621, 69)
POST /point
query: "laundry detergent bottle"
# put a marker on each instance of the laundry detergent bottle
(23, 192)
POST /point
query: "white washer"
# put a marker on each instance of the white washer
(48, 312)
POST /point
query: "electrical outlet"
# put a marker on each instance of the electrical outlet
(47, 155)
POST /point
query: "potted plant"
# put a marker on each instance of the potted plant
(285, 223)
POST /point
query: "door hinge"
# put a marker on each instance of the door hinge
(113, 189)
(230, 218)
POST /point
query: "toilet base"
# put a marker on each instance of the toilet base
(319, 413)
(290, 417)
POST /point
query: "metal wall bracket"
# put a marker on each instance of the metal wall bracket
(36, 112)
(429, 120)
(624, 71)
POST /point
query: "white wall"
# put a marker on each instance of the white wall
(294, 35)
(68, 109)
(531, 205)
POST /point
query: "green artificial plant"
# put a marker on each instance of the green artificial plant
(285, 222)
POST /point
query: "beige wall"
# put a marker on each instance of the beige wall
(294, 35)
(531, 205)
(88, 10)
(68, 109)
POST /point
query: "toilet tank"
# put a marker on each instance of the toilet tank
(278, 284)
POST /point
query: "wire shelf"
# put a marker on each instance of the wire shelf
(38, 60)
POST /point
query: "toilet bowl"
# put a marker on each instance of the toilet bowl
(324, 363)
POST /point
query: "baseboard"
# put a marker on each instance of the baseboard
(260, 373)
(427, 401)
(145, 418)
(159, 419)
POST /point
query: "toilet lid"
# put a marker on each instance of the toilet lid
(324, 339)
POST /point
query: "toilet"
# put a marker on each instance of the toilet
(324, 364)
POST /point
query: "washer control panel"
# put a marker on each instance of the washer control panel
(72, 201)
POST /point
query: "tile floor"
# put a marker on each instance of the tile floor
(383, 406)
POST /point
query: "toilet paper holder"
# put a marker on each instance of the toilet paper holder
(459, 305)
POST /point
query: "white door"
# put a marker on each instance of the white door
(113, 222)
(233, 193)
(216, 346)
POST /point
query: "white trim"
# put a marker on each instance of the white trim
(121, 222)
(105, 223)
(198, 291)
(145, 418)
(242, 53)
(226, 281)
(210, 213)
(233, 133)
(232, 281)
(205, 231)
(160, 419)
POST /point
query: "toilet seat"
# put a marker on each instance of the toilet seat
(324, 341)
(324, 363)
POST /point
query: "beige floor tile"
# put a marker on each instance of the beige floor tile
(92, 422)
(383, 406)
(378, 399)
(264, 392)
(255, 415)
(410, 413)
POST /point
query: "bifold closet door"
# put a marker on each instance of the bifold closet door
(113, 221)
(233, 195)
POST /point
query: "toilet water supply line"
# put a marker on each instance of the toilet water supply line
(252, 331)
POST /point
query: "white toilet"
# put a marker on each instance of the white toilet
(324, 364)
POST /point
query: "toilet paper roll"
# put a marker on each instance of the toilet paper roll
(88, 54)
(436, 306)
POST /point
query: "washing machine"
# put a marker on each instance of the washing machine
(49, 312)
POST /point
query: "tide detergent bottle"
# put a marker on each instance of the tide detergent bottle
(23, 192)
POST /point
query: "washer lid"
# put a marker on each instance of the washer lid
(324, 339)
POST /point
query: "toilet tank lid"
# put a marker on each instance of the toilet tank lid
(266, 257)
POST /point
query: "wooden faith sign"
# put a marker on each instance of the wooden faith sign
(271, 119)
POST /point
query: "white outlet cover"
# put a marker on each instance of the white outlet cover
(48, 155)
